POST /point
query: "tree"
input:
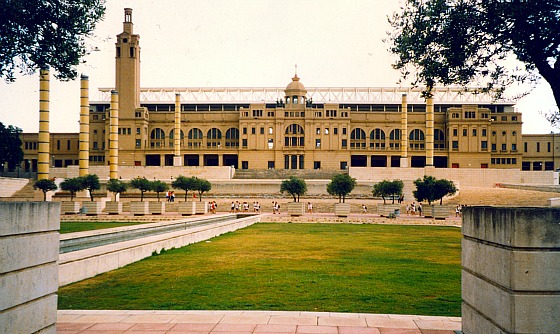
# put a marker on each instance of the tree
(429, 189)
(201, 186)
(341, 185)
(293, 186)
(10, 145)
(142, 184)
(116, 186)
(184, 183)
(72, 185)
(45, 185)
(37, 33)
(472, 41)
(159, 186)
(388, 188)
(90, 182)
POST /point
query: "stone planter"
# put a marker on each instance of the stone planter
(296, 208)
(388, 210)
(156, 208)
(201, 208)
(342, 209)
(186, 208)
(70, 207)
(139, 208)
(114, 208)
(92, 208)
(440, 211)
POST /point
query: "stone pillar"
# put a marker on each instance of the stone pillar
(84, 126)
(114, 136)
(177, 161)
(511, 266)
(29, 274)
(43, 158)
(404, 132)
(430, 131)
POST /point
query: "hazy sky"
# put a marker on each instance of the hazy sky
(233, 43)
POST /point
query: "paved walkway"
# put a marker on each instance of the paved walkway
(245, 322)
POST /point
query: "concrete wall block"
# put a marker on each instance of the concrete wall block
(16, 251)
(537, 314)
(488, 299)
(490, 262)
(28, 217)
(535, 271)
(30, 317)
(25, 285)
(474, 323)
(514, 227)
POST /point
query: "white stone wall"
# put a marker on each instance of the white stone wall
(511, 263)
(9, 186)
(29, 242)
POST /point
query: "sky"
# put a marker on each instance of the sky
(237, 43)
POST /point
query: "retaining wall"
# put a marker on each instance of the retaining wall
(511, 263)
(9, 186)
(29, 241)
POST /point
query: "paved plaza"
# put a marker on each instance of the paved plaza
(245, 322)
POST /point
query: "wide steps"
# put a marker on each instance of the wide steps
(275, 174)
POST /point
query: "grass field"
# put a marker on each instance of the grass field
(304, 267)
(70, 227)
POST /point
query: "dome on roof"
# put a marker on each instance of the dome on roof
(295, 84)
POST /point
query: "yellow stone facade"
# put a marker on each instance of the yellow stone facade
(296, 128)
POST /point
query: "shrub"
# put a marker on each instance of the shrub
(294, 186)
(341, 185)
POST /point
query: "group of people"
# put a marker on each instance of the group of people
(275, 207)
(170, 195)
(238, 207)
(212, 206)
(413, 208)
(458, 210)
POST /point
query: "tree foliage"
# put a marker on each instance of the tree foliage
(341, 185)
(37, 33)
(466, 42)
(159, 186)
(72, 185)
(45, 185)
(116, 186)
(201, 186)
(184, 183)
(142, 184)
(429, 189)
(90, 182)
(10, 146)
(294, 186)
(388, 188)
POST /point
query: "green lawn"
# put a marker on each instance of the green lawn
(305, 267)
(70, 227)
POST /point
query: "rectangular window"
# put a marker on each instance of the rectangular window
(253, 131)
(455, 132)
(514, 118)
(58, 145)
(493, 147)
(244, 143)
(118, 51)
(257, 113)
(318, 143)
(483, 132)
(326, 131)
(335, 131)
(270, 130)
(316, 164)
(464, 132)
(474, 132)
(547, 147)
(131, 52)
(525, 165)
(484, 145)
(538, 148)
(262, 131)
(318, 131)
(455, 145)
(95, 145)
(525, 147)
(138, 142)
(344, 143)
(548, 165)
(343, 131)
(504, 147)
(68, 145)
(514, 147)
(244, 131)
(504, 118)
(537, 165)
(137, 131)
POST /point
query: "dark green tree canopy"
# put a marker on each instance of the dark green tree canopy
(388, 188)
(10, 146)
(159, 186)
(294, 186)
(37, 33)
(90, 182)
(45, 185)
(142, 184)
(201, 186)
(184, 183)
(466, 42)
(429, 189)
(116, 186)
(72, 185)
(341, 185)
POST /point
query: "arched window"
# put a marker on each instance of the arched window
(194, 138)
(439, 139)
(214, 137)
(232, 137)
(172, 137)
(358, 139)
(377, 139)
(395, 139)
(416, 140)
(294, 136)
(157, 138)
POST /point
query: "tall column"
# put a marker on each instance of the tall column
(84, 125)
(177, 161)
(114, 136)
(44, 135)
(404, 132)
(430, 131)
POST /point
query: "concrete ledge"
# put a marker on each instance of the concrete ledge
(28, 217)
(36, 316)
(24, 286)
(79, 265)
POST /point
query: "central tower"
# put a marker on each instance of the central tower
(128, 67)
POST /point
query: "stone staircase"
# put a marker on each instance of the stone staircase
(25, 194)
(282, 174)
